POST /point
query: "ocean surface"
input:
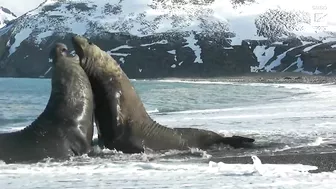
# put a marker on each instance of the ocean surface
(281, 117)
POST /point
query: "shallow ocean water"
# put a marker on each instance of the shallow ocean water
(295, 117)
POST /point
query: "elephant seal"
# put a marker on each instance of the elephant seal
(121, 116)
(65, 127)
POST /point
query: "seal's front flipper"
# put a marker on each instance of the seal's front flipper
(238, 141)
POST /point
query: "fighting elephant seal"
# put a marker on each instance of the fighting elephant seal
(65, 126)
(121, 116)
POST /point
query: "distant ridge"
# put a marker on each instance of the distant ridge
(5, 16)
(175, 38)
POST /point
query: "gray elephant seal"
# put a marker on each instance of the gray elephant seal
(121, 116)
(65, 127)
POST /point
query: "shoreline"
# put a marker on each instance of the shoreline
(273, 77)
(285, 78)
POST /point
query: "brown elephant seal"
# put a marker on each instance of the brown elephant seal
(121, 116)
(65, 127)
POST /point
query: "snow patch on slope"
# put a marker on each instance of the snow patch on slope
(173, 52)
(311, 47)
(19, 37)
(196, 48)
(263, 55)
(162, 42)
(300, 67)
(122, 47)
(118, 54)
(277, 61)
(122, 60)
(47, 71)
(42, 35)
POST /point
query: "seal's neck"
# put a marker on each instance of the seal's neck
(88, 66)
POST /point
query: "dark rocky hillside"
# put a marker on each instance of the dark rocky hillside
(172, 38)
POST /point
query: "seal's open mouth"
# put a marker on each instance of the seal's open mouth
(78, 45)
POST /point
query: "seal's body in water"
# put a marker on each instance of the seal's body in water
(121, 116)
(65, 127)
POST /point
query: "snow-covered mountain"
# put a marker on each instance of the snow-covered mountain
(183, 38)
(5, 16)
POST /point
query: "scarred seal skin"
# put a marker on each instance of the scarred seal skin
(121, 117)
(65, 127)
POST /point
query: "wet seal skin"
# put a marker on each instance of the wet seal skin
(121, 117)
(65, 127)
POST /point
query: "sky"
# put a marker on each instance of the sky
(20, 7)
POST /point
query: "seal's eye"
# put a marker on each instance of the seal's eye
(64, 50)
(90, 43)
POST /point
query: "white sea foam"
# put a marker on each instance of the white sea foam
(89, 166)
(319, 141)
(153, 111)
(261, 116)
(89, 172)
(195, 82)
(307, 87)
